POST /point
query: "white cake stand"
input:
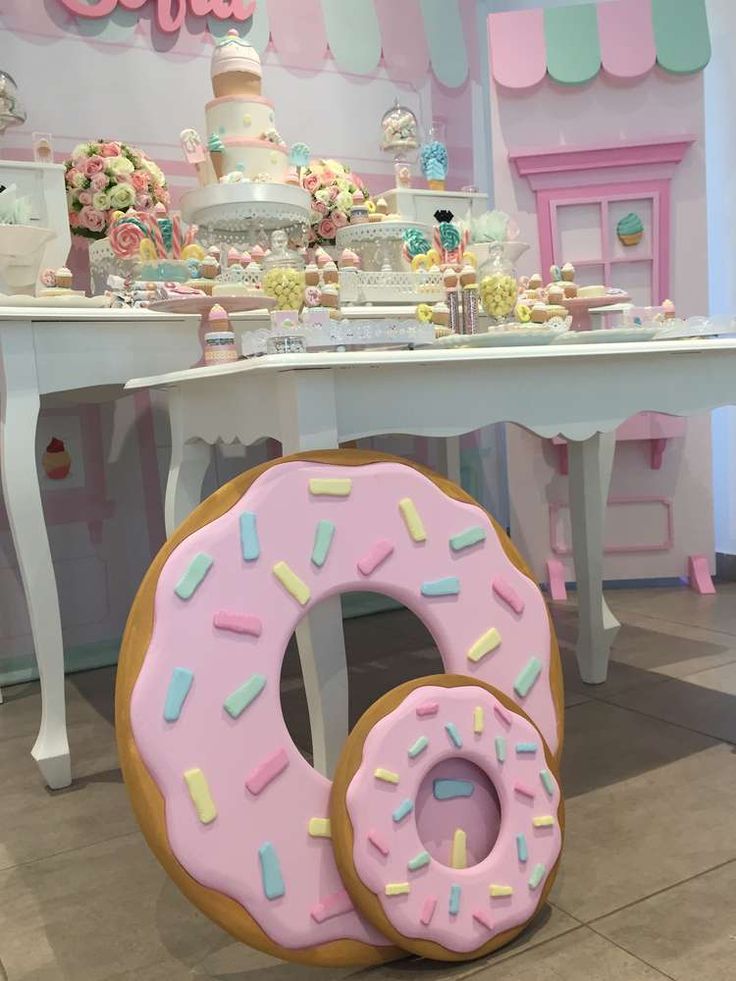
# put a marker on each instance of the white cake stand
(243, 212)
(380, 243)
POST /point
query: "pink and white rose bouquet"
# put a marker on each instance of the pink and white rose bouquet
(331, 185)
(105, 176)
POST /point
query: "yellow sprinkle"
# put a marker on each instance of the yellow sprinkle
(320, 828)
(388, 776)
(292, 583)
(484, 645)
(497, 891)
(398, 889)
(336, 487)
(200, 794)
(478, 720)
(413, 522)
(459, 859)
(547, 821)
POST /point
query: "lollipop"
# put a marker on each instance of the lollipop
(126, 236)
(415, 243)
(299, 155)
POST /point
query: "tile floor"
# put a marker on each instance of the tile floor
(647, 888)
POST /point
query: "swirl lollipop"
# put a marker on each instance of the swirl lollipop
(126, 236)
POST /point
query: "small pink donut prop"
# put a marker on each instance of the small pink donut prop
(446, 907)
(227, 802)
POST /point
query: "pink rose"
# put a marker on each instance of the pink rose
(143, 202)
(139, 180)
(340, 219)
(99, 182)
(311, 183)
(93, 219)
(95, 165)
(110, 150)
(334, 191)
(71, 176)
(327, 228)
(80, 163)
(327, 178)
(320, 207)
(73, 219)
(85, 197)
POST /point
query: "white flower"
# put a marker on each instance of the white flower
(82, 150)
(155, 171)
(121, 197)
(119, 165)
(101, 201)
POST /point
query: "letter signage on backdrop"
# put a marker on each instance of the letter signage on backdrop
(170, 14)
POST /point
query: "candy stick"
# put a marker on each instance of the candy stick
(176, 236)
(156, 236)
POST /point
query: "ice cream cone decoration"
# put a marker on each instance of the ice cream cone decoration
(217, 150)
(236, 67)
(56, 461)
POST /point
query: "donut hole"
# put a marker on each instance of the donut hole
(384, 649)
(478, 815)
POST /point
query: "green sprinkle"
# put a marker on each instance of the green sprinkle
(192, 578)
(322, 542)
(455, 892)
(441, 587)
(546, 777)
(419, 746)
(404, 808)
(526, 680)
(500, 748)
(467, 538)
(526, 747)
(271, 877)
(249, 542)
(419, 861)
(454, 735)
(237, 702)
(538, 873)
(521, 850)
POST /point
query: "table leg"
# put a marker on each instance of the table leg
(452, 459)
(20, 403)
(591, 462)
(187, 468)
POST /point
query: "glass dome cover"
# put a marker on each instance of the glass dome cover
(399, 130)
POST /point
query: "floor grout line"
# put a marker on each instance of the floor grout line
(67, 851)
(668, 722)
(631, 953)
(527, 950)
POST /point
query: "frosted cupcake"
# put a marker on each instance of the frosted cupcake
(236, 67)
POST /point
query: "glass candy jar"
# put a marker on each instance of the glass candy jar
(497, 283)
(399, 131)
(283, 274)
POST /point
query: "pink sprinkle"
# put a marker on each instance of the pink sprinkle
(239, 623)
(378, 844)
(430, 905)
(375, 556)
(428, 708)
(331, 906)
(481, 917)
(521, 788)
(508, 594)
(501, 715)
(267, 771)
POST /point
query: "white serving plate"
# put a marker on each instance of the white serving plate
(616, 335)
(519, 337)
(73, 299)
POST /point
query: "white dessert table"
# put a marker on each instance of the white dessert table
(84, 354)
(318, 401)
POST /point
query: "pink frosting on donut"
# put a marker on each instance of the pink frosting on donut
(371, 808)
(229, 745)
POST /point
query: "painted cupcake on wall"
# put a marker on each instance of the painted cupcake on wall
(630, 229)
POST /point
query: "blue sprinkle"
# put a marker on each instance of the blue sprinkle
(323, 536)
(455, 892)
(500, 748)
(467, 538)
(273, 881)
(528, 677)
(526, 747)
(546, 777)
(451, 789)
(181, 682)
(249, 536)
(521, 850)
(441, 587)
(454, 735)
(192, 578)
(405, 808)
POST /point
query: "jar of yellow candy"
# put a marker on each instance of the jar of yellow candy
(497, 285)
(283, 274)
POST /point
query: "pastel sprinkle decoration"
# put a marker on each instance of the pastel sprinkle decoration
(179, 685)
(323, 536)
(292, 583)
(508, 595)
(413, 522)
(454, 905)
(498, 892)
(484, 645)
(500, 744)
(249, 543)
(521, 788)
(544, 821)
(427, 709)
(526, 680)
(238, 623)
(331, 487)
(199, 791)
(526, 748)
(320, 828)
(450, 586)
(521, 850)
(430, 905)
(459, 853)
(237, 702)
(501, 715)
(452, 789)
(483, 919)
(537, 875)
(546, 777)
(193, 577)
(419, 861)
(418, 747)
(378, 843)
(403, 810)
(374, 557)
(478, 720)
(267, 771)
(466, 539)
(328, 908)
(455, 737)
(387, 776)
(271, 877)
(398, 889)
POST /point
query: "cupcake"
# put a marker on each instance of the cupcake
(467, 276)
(440, 314)
(630, 229)
(571, 290)
(555, 274)
(253, 268)
(450, 279)
(311, 274)
(233, 258)
(214, 250)
(358, 211)
(218, 318)
(330, 296)
(568, 272)
(64, 278)
(245, 259)
(56, 461)
(556, 311)
(321, 257)
(330, 273)
(375, 216)
(210, 267)
(539, 313)
(535, 282)
(236, 67)
(555, 293)
(668, 309)
(349, 259)
(382, 206)
(257, 253)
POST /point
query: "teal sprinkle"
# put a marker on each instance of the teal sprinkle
(271, 877)
(192, 578)
(404, 809)
(441, 587)
(454, 735)
(419, 746)
(237, 702)
(521, 850)
(500, 749)
(546, 777)
(322, 542)
(452, 789)
(526, 747)
(455, 892)
(537, 875)
(249, 536)
(181, 682)
(467, 538)
(526, 680)
(419, 861)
